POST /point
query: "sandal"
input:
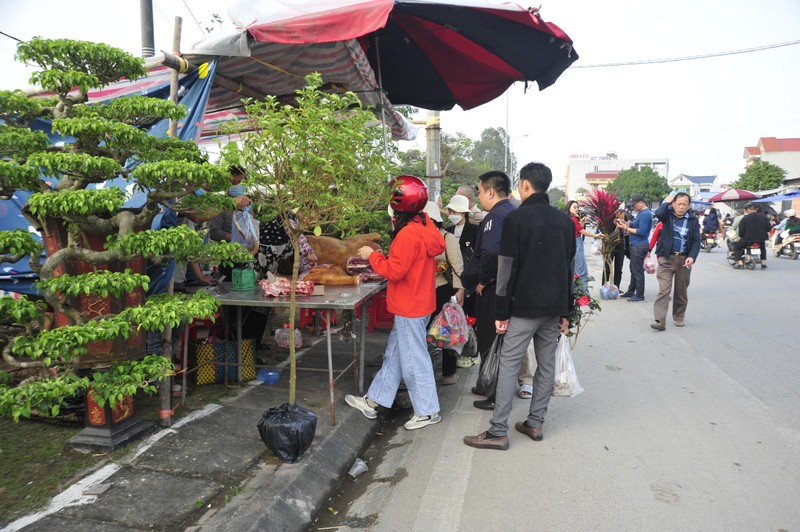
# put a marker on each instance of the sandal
(525, 391)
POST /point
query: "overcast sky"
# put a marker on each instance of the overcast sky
(699, 114)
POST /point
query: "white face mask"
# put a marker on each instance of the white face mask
(455, 218)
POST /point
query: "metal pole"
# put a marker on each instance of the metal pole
(507, 147)
(146, 16)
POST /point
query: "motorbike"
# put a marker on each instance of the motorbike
(708, 241)
(750, 258)
(789, 246)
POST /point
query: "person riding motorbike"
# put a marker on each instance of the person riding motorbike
(790, 224)
(710, 229)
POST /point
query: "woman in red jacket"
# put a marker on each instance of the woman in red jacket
(411, 296)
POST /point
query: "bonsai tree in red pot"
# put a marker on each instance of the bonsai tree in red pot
(92, 274)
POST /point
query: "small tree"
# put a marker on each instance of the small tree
(761, 175)
(317, 163)
(102, 142)
(644, 181)
(601, 209)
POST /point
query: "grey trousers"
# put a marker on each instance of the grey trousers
(545, 333)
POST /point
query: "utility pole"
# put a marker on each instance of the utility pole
(146, 16)
(433, 165)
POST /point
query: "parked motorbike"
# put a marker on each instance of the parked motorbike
(750, 258)
(789, 246)
(708, 241)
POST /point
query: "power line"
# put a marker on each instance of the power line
(193, 17)
(9, 36)
(689, 57)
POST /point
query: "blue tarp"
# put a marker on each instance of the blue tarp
(194, 93)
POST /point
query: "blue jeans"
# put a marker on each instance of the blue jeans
(638, 253)
(407, 358)
(581, 269)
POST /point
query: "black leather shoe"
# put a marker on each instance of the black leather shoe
(477, 391)
(484, 404)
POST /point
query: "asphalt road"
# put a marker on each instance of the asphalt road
(689, 429)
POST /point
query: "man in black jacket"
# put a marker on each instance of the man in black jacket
(677, 249)
(753, 229)
(534, 297)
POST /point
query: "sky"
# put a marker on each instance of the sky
(700, 114)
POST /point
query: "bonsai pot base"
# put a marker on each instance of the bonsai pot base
(110, 438)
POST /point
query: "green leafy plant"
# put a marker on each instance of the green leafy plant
(46, 367)
(601, 209)
(316, 163)
(583, 308)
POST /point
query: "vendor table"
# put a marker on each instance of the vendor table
(335, 298)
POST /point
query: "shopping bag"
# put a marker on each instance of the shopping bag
(245, 229)
(487, 379)
(566, 381)
(288, 431)
(609, 291)
(649, 265)
(449, 329)
(596, 250)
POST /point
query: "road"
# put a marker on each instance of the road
(689, 429)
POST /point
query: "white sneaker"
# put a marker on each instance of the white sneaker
(360, 403)
(417, 422)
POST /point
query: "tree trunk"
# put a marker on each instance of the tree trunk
(295, 238)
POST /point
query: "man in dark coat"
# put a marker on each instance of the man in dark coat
(753, 229)
(677, 249)
(535, 273)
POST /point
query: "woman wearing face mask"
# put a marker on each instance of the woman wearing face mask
(466, 233)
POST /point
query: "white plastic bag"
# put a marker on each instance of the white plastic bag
(566, 382)
(596, 250)
(649, 265)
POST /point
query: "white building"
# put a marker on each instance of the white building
(581, 165)
(780, 152)
(697, 186)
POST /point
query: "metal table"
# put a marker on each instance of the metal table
(335, 298)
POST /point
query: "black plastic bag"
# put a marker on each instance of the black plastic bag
(487, 380)
(288, 431)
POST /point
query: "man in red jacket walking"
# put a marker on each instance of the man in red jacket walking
(411, 297)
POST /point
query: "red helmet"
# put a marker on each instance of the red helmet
(410, 194)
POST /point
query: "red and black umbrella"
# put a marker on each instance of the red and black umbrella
(429, 54)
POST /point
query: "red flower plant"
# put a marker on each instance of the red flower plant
(584, 301)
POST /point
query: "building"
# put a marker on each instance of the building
(780, 152)
(697, 186)
(588, 173)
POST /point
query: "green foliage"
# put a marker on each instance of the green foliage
(179, 242)
(81, 166)
(644, 181)
(170, 309)
(86, 65)
(16, 109)
(761, 175)
(15, 177)
(126, 379)
(204, 205)
(45, 396)
(101, 282)
(18, 143)
(76, 202)
(134, 110)
(19, 311)
(92, 131)
(18, 242)
(180, 177)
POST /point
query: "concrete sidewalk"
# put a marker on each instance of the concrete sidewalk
(211, 471)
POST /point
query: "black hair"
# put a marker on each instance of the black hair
(749, 206)
(402, 219)
(236, 169)
(569, 205)
(680, 195)
(537, 175)
(712, 210)
(497, 181)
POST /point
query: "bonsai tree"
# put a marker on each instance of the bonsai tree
(317, 162)
(94, 246)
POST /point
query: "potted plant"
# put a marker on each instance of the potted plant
(93, 272)
(316, 162)
(601, 209)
